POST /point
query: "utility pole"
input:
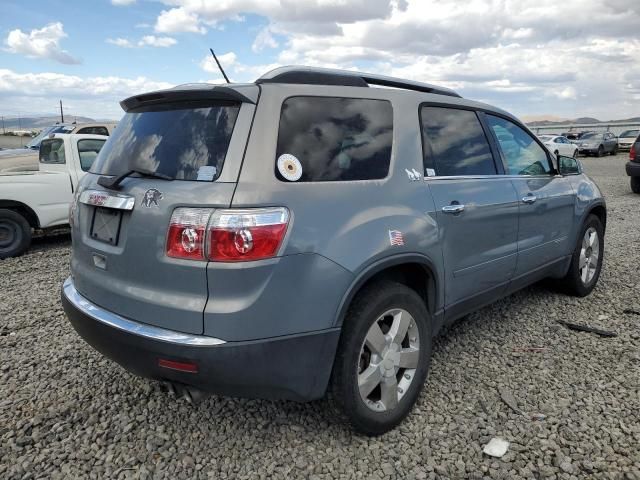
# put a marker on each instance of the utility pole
(61, 113)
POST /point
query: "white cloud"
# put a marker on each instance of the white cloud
(97, 97)
(263, 40)
(120, 42)
(178, 20)
(146, 41)
(153, 41)
(40, 43)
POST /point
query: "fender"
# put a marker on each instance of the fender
(373, 268)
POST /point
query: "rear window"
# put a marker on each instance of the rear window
(52, 151)
(88, 150)
(454, 143)
(183, 141)
(324, 139)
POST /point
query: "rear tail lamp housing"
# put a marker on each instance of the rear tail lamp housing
(633, 154)
(229, 235)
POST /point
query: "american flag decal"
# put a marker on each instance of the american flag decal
(396, 238)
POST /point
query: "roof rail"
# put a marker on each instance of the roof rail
(329, 76)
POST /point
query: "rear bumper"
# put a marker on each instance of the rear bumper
(633, 169)
(295, 367)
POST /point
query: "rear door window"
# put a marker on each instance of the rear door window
(454, 143)
(52, 151)
(324, 139)
(185, 141)
(522, 154)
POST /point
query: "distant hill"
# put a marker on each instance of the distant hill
(581, 120)
(40, 122)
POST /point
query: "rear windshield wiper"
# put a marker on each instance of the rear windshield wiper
(113, 183)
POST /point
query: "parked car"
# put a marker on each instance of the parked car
(559, 145)
(324, 247)
(627, 138)
(40, 199)
(574, 137)
(633, 165)
(598, 144)
(26, 158)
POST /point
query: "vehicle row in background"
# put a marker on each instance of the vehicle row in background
(559, 145)
(40, 199)
(26, 158)
(598, 144)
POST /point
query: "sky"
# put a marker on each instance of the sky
(566, 59)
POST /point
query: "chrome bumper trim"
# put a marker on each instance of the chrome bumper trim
(147, 331)
(101, 198)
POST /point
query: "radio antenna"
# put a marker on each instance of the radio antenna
(219, 66)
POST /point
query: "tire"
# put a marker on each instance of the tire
(15, 234)
(600, 151)
(387, 304)
(575, 282)
(635, 184)
(614, 152)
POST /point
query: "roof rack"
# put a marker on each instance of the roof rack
(329, 76)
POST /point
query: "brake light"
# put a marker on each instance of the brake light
(187, 231)
(243, 235)
(632, 153)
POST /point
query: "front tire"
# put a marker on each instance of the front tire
(600, 151)
(635, 184)
(383, 357)
(15, 234)
(586, 262)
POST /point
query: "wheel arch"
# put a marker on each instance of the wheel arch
(414, 270)
(600, 211)
(23, 209)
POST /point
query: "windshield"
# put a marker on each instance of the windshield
(35, 142)
(184, 142)
(588, 136)
(630, 133)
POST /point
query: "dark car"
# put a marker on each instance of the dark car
(598, 144)
(633, 165)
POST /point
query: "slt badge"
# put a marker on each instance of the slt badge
(151, 197)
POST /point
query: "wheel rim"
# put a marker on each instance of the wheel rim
(388, 360)
(9, 234)
(589, 255)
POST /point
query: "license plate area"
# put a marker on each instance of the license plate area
(105, 225)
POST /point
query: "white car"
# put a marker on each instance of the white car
(627, 138)
(40, 199)
(559, 145)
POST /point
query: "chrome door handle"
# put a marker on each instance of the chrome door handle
(529, 199)
(453, 209)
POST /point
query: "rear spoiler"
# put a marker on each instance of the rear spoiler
(178, 94)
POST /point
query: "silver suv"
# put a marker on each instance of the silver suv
(311, 233)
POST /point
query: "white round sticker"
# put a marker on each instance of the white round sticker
(289, 167)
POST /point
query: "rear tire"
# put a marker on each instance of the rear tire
(15, 234)
(378, 374)
(635, 184)
(586, 261)
(614, 152)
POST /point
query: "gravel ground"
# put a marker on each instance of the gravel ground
(66, 412)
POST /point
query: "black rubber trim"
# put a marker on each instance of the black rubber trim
(170, 96)
(316, 78)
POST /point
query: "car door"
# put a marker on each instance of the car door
(476, 206)
(566, 147)
(546, 199)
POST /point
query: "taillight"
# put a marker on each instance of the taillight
(187, 231)
(632, 153)
(243, 235)
(226, 235)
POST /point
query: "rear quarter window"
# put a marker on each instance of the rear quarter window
(336, 139)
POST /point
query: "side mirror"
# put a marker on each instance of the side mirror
(568, 165)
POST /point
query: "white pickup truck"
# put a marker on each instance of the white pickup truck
(40, 199)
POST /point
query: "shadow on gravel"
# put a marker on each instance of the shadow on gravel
(54, 238)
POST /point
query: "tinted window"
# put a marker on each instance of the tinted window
(176, 140)
(94, 130)
(630, 133)
(454, 143)
(88, 151)
(52, 151)
(336, 139)
(523, 155)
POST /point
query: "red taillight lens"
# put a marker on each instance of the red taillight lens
(632, 153)
(244, 235)
(187, 230)
(188, 367)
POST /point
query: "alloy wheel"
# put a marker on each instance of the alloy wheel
(589, 255)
